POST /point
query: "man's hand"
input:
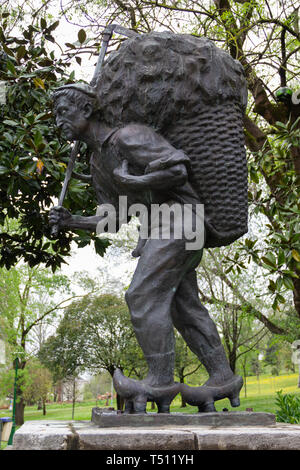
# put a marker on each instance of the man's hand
(60, 216)
(121, 173)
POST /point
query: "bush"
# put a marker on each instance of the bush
(289, 408)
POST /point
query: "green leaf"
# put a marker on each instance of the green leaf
(49, 38)
(290, 273)
(71, 46)
(254, 175)
(281, 257)
(7, 50)
(281, 125)
(38, 138)
(3, 170)
(53, 26)
(272, 286)
(21, 51)
(43, 23)
(39, 83)
(10, 66)
(287, 281)
(270, 260)
(296, 255)
(81, 36)
(9, 122)
(101, 245)
(280, 298)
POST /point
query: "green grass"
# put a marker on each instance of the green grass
(261, 396)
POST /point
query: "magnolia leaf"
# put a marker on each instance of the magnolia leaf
(296, 255)
(81, 36)
(39, 83)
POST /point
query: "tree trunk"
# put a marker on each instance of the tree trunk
(183, 402)
(73, 398)
(44, 407)
(296, 293)
(299, 377)
(245, 380)
(120, 402)
(20, 405)
(59, 391)
(232, 360)
(54, 394)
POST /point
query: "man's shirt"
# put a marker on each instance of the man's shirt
(146, 152)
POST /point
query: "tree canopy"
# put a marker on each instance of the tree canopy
(94, 334)
(263, 35)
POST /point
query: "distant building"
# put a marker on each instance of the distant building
(66, 389)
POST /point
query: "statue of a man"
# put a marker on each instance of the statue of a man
(137, 162)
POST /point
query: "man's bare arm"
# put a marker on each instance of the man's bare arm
(160, 179)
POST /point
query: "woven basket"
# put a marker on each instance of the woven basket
(214, 141)
(194, 94)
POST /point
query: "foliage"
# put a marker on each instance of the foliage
(98, 385)
(186, 363)
(289, 408)
(235, 307)
(64, 353)
(33, 156)
(38, 383)
(280, 254)
(27, 298)
(95, 333)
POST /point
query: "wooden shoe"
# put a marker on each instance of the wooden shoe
(205, 396)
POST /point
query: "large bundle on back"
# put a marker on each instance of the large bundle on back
(194, 94)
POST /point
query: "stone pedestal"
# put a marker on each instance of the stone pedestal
(211, 432)
(108, 419)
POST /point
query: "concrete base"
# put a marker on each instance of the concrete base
(108, 419)
(84, 435)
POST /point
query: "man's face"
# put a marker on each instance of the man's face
(70, 119)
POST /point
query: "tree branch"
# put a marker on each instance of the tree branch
(56, 307)
(246, 304)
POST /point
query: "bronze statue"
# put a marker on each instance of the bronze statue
(165, 126)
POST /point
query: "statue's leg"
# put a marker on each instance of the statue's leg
(192, 320)
(161, 266)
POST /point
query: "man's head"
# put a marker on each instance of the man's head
(74, 106)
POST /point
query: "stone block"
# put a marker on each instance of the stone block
(43, 435)
(92, 437)
(105, 418)
(277, 437)
(84, 435)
